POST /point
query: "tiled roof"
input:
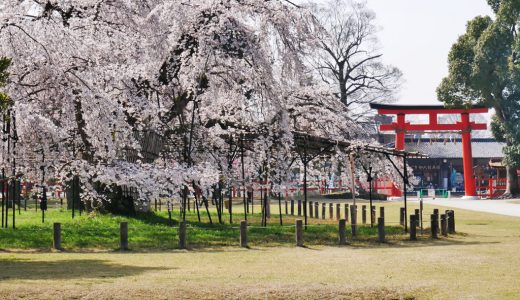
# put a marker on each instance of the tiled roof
(480, 148)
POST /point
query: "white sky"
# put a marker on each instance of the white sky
(416, 36)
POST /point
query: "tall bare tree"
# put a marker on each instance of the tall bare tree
(349, 58)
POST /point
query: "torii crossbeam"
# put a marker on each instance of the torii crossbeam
(401, 127)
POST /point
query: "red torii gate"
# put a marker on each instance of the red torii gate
(401, 127)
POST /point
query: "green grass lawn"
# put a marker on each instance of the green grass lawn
(152, 231)
(481, 261)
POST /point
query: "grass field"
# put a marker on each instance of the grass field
(152, 231)
(482, 261)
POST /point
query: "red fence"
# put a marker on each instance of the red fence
(295, 187)
(381, 186)
(490, 187)
(387, 187)
(486, 187)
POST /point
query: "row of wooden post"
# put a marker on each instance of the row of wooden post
(123, 236)
(446, 225)
(123, 232)
(314, 209)
(342, 231)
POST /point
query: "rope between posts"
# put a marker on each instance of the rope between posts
(421, 222)
(69, 229)
(258, 226)
(167, 228)
(65, 229)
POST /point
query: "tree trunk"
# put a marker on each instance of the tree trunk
(342, 84)
(512, 188)
(86, 150)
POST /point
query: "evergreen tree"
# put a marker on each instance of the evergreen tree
(484, 68)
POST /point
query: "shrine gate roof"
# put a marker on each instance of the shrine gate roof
(425, 109)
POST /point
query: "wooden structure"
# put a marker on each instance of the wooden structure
(309, 147)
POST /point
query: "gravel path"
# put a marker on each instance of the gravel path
(501, 207)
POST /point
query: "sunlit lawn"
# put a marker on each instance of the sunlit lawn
(153, 231)
(480, 262)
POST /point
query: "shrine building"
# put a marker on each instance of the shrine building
(457, 162)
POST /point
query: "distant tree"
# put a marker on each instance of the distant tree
(484, 68)
(348, 57)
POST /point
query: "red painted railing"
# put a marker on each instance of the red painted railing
(387, 187)
(490, 187)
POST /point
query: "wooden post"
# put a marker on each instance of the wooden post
(323, 206)
(444, 226)
(170, 209)
(311, 212)
(299, 207)
(372, 216)
(346, 212)
(292, 207)
(123, 236)
(316, 210)
(421, 214)
(417, 216)
(338, 211)
(453, 221)
(267, 208)
(331, 211)
(433, 225)
(243, 234)
(381, 229)
(286, 208)
(401, 215)
(364, 214)
(413, 227)
(57, 236)
(450, 215)
(490, 186)
(182, 235)
(353, 217)
(342, 232)
(382, 212)
(299, 233)
(436, 213)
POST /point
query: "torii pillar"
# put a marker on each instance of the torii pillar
(464, 127)
(467, 158)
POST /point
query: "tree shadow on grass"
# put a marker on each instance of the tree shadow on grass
(155, 219)
(66, 269)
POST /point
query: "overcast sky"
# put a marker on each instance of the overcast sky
(416, 36)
